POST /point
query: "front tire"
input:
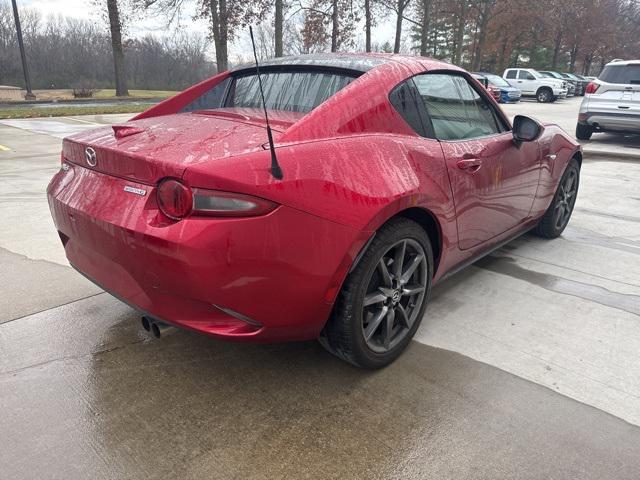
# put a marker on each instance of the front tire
(544, 95)
(383, 299)
(557, 216)
(583, 132)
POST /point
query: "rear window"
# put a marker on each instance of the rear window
(629, 74)
(296, 91)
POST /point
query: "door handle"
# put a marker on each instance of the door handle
(471, 165)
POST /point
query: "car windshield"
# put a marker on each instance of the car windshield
(496, 80)
(293, 91)
(629, 74)
(546, 75)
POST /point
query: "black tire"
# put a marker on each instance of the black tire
(344, 334)
(583, 132)
(544, 95)
(551, 225)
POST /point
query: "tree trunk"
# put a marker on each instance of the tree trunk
(220, 32)
(116, 47)
(367, 25)
(556, 49)
(278, 27)
(424, 28)
(573, 57)
(334, 26)
(503, 56)
(400, 11)
(459, 36)
(588, 60)
(481, 35)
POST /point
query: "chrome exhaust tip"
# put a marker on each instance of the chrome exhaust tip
(159, 328)
(146, 323)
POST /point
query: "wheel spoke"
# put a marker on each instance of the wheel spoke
(375, 297)
(399, 259)
(384, 272)
(569, 183)
(412, 289)
(391, 316)
(402, 316)
(560, 216)
(415, 263)
(375, 323)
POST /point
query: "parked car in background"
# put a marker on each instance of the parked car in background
(533, 84)
(391, 172)
(581, 83)
(612, 101)
(508, 94)
(493, 91)
(571, 84)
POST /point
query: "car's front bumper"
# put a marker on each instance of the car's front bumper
(265, 278)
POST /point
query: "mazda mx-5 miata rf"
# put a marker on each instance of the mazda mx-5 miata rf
(395, 172)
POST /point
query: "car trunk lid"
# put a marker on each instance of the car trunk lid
(150, 149)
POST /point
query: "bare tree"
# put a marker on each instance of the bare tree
(116, 46)
(279, 20)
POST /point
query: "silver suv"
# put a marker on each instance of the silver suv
(612, 101)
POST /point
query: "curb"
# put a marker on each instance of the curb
(590, 153)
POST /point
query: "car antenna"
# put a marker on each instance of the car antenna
(276, 171)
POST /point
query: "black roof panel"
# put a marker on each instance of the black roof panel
(348, 61)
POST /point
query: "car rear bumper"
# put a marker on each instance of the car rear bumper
(266, 278)
(611, 121)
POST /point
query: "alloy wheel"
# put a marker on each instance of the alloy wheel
(565, 200)
(394, 295)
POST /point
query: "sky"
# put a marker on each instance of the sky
(84, 9)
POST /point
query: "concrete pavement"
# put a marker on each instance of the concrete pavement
(519, 370)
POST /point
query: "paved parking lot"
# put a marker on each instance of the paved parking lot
(526, 364)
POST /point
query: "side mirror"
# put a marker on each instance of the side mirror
(525, 129)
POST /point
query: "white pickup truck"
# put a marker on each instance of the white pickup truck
(533, 84)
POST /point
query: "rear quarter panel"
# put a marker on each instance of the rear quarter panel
(359, 181)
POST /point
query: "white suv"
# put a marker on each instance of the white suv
(612, 101)
(534, 84)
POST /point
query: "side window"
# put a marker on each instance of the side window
(524, 75)
(406, 104)
(511, 73)
(456, 110)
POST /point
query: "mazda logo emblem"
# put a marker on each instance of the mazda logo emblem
(90, 156)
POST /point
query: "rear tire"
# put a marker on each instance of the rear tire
(382, 300)
(557, 216)
(583, 132)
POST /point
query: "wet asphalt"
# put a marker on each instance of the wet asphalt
(525, 366)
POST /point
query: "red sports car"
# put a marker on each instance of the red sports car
(396, 172)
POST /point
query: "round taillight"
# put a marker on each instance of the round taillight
(174, 199)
